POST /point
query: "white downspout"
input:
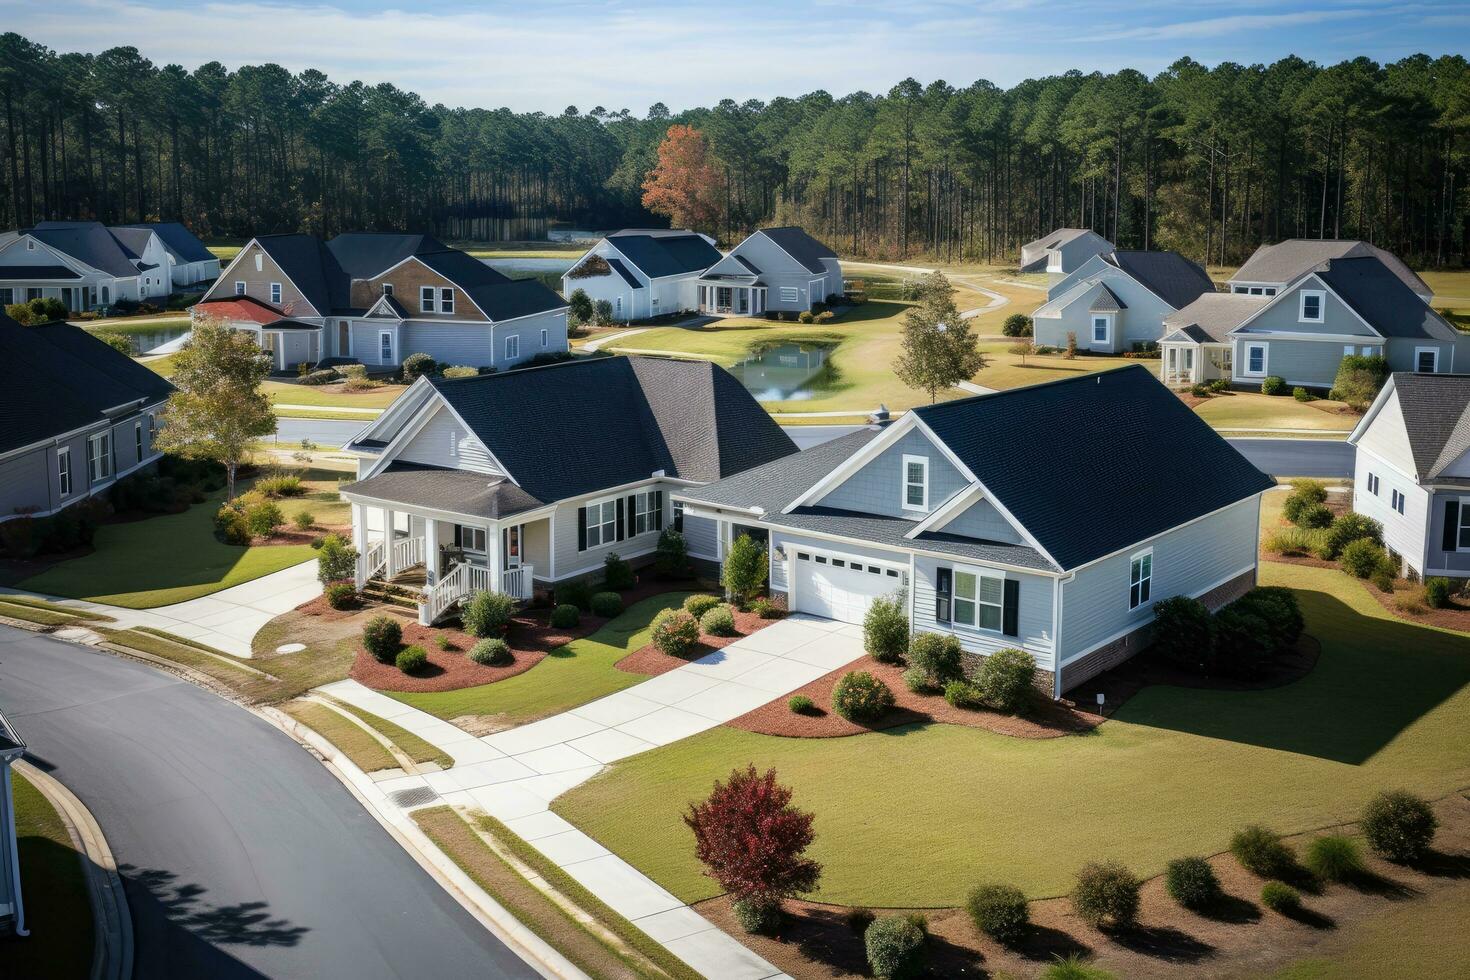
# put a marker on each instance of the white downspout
(9, 831)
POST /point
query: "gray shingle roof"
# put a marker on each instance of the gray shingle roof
(668, 253)
(1382, 299)
(1211, 317)
(802, 247)
(617, 266)
(312, 267)
(454, 491)
(89, 242)
(1436, 410)
(179, 240)
(1059, 237)
(1288, 261)
(15, 273)
(1168, 275)
(1106, 301)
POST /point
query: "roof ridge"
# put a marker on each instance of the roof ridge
(1093, 376)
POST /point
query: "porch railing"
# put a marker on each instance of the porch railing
(516, 582)
(371, 563)
(464, 580)
(408, 552)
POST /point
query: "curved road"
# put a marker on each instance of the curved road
(241, 855)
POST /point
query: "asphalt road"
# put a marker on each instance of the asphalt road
(241, 855)
(326, 433)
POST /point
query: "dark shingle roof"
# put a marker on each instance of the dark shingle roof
(617, 266)
(665, 254)
(183, 243)
(364, 254)
(15, 273)
(1436, 410)
(1290, 260)
(1065, 459)
(1106, 301)
(61, 378)
(592, 423)
(1168, 275)
(800, 246)
(89, 242)
(287, 323)
(1211, 317)
(1382, 299)
(312, 267)
(454, 491)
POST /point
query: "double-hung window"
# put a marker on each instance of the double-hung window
(426, 299)
(470, 538)
(63, 471)
(644, 506)
(1255, 360)
(1373, 484)
(1462, 526)
(512, 347)
(1397, 501)
(446, 301)
(978, 600)
(1310, 310)
(1100, 329)
(602, 523)
(99, 457)
(239, 287)
(1426, 360)
(916, 483)
(385, 347)
(138, 438)
(276, 293)
(1140, 579)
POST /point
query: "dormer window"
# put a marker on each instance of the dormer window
(1312, 301)
(387, 289)
(916, 483)
(426, 299)
(446, 301)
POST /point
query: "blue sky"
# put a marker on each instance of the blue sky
(547, 54)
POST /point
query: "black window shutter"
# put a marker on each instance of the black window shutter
(942, 579)
(1010, 611)
(1450, 536)
(621, 535)
(458, 542)
(581, 528)
(658, 510)
(632, 515)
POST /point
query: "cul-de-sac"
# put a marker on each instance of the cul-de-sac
(804, 491)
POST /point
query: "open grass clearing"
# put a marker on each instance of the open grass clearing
(132, 325)
(332, 395)
(1253, 410)
(913, 816)
(54, 888)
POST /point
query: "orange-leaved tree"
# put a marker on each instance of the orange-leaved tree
(686, 182)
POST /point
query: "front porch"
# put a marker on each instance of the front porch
(731, 296)
(1187, 363)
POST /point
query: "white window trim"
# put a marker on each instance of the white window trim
(387, 289)
(1426, 350)
(513, 341)
(240, 287)
(392, 347)
(645, 505)
(63, 471)
(611, 523)
(1107, 321)
(545, 339)
(102, 458)
(426, 299)
(1245, 369)
(1301, 306)
(277, 291)
(922, 461)
(954, 598)
(1373, 483)
(1461, 527)
(1143, 602)
(446, 301)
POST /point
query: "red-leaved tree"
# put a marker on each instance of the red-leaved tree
(686, 182)
(751, 839)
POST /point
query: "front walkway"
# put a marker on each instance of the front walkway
(515, 774)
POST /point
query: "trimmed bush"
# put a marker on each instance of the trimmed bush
(805, 316)
(938, 656)
(800, 704)
(756, 916)
(1278, 896)
(417, 365)
(860, 697)
(999, 911)
(963, 694)
(675, 633)
(858, 920)
(1303, 395)
(381, 637)
(1304, 493)
(1262, 852)
(1334, 858)
(765, 608)
(1273, 386)
(1184, 633)
(1314, 516)
(1346, 529)
(895, 948)
(1383, 577)
(566, 616)
(606, 604)
(699, 604)
(1361, 557)
(341, 595)
(1192, 883)
(487, 613)
(1220, 385)
(264, 519)
(411, 659)
(443, 642)
(616, 574)
(745, 569)
(671, 555)
(886, 629)
(304, 520)
(1278, 608)
(1399, 826)
(719, 621)
(1437, 592)
(1243, 646)
(1106, 894)
(1004, 680)
(1016, 325)
(577, 593)
(918, 681)
(335, 559)
(493, 652)
(461, 371)
(1359, 378)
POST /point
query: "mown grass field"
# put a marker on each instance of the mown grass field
(58, 912)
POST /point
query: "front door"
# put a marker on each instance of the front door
(511, 540)
(344, 339)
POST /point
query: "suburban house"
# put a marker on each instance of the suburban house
(532, 477)
(1117, 300)
(1271, 268)
(190, 262)
(12, 911)
(1301, 330)
(1063, 251)
(1412, 471)
(1030, 518)
(374, 299)
(77, 415)
(85, 264)
(775, 270)
(643, 272)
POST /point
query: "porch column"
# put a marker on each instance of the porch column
(359, 528)
(431, 550)
(492, 555)
(388, 520)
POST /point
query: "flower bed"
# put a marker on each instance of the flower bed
(648, 659)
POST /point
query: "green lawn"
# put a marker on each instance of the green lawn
(1252, 410)
(163, 560)
(1425, 938)
(579, 672)
(914, 816)
(289, 394)
(58, 912)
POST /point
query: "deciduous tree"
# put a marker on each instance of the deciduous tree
(938, 349)
(685, 184)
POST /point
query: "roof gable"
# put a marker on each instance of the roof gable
(1382, 299)
(1434, 412)
(184, 245)
(1168, 275)
(661, 254)
(1289, 260)
(795, 242)
(89, 242)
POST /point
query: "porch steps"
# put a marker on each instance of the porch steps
(387, 592)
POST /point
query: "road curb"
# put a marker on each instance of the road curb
(112, 925)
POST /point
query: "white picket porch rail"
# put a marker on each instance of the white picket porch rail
(369, 564)
(464, 580)
(407, 552)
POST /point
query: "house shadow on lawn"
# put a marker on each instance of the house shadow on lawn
(1374, 679)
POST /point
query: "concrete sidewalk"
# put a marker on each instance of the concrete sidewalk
(515, 774)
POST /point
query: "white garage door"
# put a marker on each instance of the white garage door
(839, 587)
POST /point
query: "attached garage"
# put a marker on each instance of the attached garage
(840, 586)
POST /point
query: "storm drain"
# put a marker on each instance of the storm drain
(418, 796)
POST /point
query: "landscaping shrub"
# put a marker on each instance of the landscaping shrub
(1184, 633)
(1262, 852)
(304, 520)
(937, 656)
(1346, 529)
(1399, 826)
(1304, 493)
(1361, 557)
(999, 911)
(1359, 379)
(1191, 882)
(918, 681)
(230, 525)
(1334, 858)
(671, 555)
(1295, 541)
(381, 637)
(1074, 967)
(719, 621)
(800, 704)
(675, 633)
(745, 569)
(1410, 604)
(119, 342)
(1278, 608)
(886, 629)
(963, 694)
(411, 659)
(493, 652)
(279, 486)
(1437, 592)
(335, 559)
(443, 642)
(1106, 894)
(1278, 896)
(826, 316)
(1220, 385)
(1383, 576)
(757, 916)
(1303, 395)
(577, 593)
(1243, 647)
(606, 604)
(765, 608)
(341, 595)
(566, 616)
(700, 603)
(1199, 390)
(1016, 325)
(1004, 680)
(1273, 386)
(860, 697)
(417, 365)
(895, 948)
(617, 574)
(264, 519)
(487, 613)
(1314, 516)
(461, 371)
(805, 316)
(323, 377)
(858, 920)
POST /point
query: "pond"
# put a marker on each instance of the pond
(786, 372)
(512, 267)
(148, 338)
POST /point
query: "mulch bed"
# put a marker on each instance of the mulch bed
(1237, 938)
(1455, 617)
(652, 661)
(1048, 719)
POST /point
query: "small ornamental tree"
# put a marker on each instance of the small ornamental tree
(602, 312)
(752, 840)
(745, 569)
(1022, 350)
(1016, 325)
(579, 307)
(939, 351)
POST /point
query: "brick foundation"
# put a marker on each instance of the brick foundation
(1042, 680)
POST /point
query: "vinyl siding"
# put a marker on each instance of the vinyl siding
(778, 269)
(1282, 316)
(1404, 533)
(1388, 438)
(571, 562)
(1403, 354)
(448, 343)
(981, 520)
(27, 483)
(878, 488)
(1034, 617)
(1188, 560)
(1312, 363)
(701, 537)
(1456, 563)
(444, 442)
(1141, 322)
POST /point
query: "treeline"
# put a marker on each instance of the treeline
(1212, 162)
